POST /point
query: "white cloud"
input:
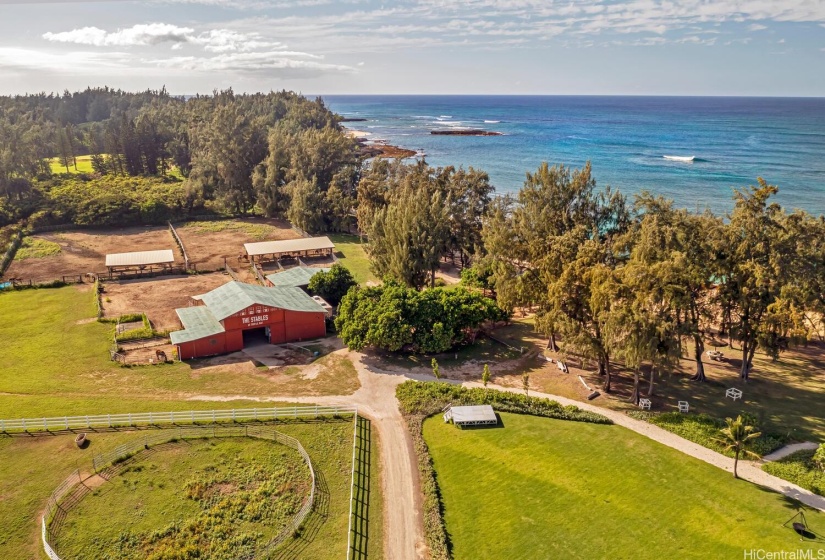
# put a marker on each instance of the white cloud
(757, 27)
(275, 63)
(137, 35)
(96, 63)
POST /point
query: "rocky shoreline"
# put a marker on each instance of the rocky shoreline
(378, 149)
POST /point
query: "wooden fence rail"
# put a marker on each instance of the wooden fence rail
(104, 421)
(179, 241)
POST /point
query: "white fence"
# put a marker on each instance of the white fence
(128, 449)
(104, 421)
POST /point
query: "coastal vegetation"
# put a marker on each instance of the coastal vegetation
(393, 317)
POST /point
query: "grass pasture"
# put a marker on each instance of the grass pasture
(350, 252)
(594, 491)
(178, 496)
(55, 362)
(84, 165)
(31, 467)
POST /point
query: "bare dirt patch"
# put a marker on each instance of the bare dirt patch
(208, 243)
(85, 251)
(157, 297)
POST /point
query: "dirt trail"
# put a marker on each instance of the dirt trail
(375, 399)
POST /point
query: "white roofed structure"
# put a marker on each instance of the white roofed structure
(304, 247)
(140, 259)
(478, 415)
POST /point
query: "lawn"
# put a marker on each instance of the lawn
(55, 362)
(351, 254)
(31, 467)
(594, 491)
(246, 489)
(84, 165)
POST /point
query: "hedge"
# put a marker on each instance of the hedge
(418, 400)
(703, 429)
(801, 469)
(430, 397)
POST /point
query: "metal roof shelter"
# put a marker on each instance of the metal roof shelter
(232, 297)
(198, 322)
(478, 415)
(306, 246)
(140, 258)
(298, 276)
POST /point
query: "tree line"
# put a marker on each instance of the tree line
(608, 279)
(277, 154)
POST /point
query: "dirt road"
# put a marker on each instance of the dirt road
(403, 521)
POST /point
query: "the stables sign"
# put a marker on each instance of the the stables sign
(255, 320)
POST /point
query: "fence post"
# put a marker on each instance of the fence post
(66, 418)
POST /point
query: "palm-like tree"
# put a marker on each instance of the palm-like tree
(737, 437)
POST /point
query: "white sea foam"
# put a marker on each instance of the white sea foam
(491, 122)
(444, 117)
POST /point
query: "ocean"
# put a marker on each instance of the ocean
(733, 140)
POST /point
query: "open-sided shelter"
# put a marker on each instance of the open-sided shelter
(290, 248)
(236, 314)
(139, 260)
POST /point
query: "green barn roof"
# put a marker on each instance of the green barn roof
(295, 277)
(198, 322)
(235, 296)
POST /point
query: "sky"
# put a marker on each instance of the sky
(571, 47)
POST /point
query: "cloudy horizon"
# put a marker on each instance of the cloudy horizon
(597, 47)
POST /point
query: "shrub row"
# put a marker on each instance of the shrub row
(704, 429)
(435, 532)
(145, 332)
(419, 400)
(428, 398)
(801, 469)
(11, 252)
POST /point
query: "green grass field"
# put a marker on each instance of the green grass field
(84, 165)
(540, 488)
(31, 467)
(36, 248)
(354, 257)
(55, 362)
(246, 489)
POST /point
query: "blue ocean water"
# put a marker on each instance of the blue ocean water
(734, 140)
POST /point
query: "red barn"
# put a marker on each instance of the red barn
(238, 314)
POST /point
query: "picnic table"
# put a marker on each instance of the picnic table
(733, 393)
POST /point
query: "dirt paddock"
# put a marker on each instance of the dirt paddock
(157, 297)
(85, 251)
(208, 243)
